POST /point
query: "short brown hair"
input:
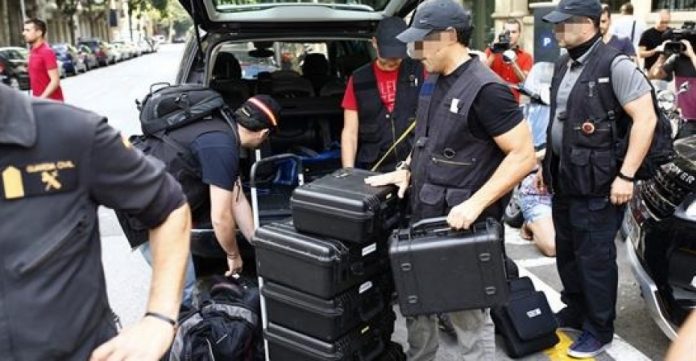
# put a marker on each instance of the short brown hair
(627, 8)
(512, 21)
(606, 10)
(38, 24)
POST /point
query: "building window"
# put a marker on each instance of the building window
(674, 4)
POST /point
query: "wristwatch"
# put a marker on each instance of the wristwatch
(403, 166)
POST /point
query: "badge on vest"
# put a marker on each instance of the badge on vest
(588, 127)
(38, 179)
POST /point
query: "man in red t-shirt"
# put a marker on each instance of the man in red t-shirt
(380, 103)
(44, 76)
(514, 64)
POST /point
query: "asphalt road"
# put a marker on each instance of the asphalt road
(112, 92)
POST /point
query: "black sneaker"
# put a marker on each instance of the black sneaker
(445, 324)
(587, 346)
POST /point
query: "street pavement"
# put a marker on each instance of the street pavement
(112, 92)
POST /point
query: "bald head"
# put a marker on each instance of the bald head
(662, 20)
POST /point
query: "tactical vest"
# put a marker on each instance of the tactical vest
(378, 128)
(449, 162)
(197, 193)
(53, 206)
(593, 125)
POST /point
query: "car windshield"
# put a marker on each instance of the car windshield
(244, 5)
(12, 54)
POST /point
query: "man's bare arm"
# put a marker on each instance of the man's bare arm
(349, 138)
(54, 75)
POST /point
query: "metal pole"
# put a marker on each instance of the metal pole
(23, 8)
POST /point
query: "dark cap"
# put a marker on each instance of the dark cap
(258, 113)
(388, 45)
(436, 15)
(569, 8)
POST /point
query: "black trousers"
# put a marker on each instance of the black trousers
(586, 261)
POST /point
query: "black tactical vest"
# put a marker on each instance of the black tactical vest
(593, 125)
(378, 128)
(449, 163)
(197, 193)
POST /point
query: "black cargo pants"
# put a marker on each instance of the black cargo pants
(586, 261)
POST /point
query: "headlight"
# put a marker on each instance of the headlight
(691, 210)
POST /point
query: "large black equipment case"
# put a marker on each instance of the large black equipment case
(526, 322)
(367, 342)
(340, 205)
(328, 319)
(316, 265)
(438, 270)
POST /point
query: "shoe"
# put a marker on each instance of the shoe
(586, 346)
(566, 325)
(445, 324)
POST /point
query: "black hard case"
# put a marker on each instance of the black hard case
(526, 322)
(316, 265)
(367, 342)
(328, 319)
(340, 205)
(438, 270)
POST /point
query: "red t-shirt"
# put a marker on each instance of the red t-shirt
(505, 71)
(386, 84)
(41, 60)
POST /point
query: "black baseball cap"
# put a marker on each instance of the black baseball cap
(436, 15)
(388, 45)
(569, 8)
(258, 113)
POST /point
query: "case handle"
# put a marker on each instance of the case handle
(431, 225)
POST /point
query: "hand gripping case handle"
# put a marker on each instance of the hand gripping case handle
(430, 226)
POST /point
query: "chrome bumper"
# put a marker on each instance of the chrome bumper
(648, 290)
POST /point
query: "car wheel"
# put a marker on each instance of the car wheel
(14, 83)
(513, 214)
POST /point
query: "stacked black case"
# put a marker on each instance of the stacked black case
(327, 286)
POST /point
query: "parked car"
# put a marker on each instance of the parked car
(12, 73)
(88, 57)
(69, 56)
(312, 119)
(127, 49)
(105, 55)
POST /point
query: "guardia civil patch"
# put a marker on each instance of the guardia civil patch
(38, 179)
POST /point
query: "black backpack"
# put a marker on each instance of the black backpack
(163, 110)
(173, 106)
(226, 326)
(661, 149)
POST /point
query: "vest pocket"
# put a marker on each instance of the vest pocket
(456, 196)
(368, 132)
(600, 135)
(589, 171)
(446, 171)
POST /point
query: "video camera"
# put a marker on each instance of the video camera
(675, 36)
(503, 43)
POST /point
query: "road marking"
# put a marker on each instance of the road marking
(560, 351)
(536, 262)
(619, 350)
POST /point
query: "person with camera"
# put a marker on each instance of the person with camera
(651, 39)
(472, 147)
(678, 61)
(507, 59)
(598, 96)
